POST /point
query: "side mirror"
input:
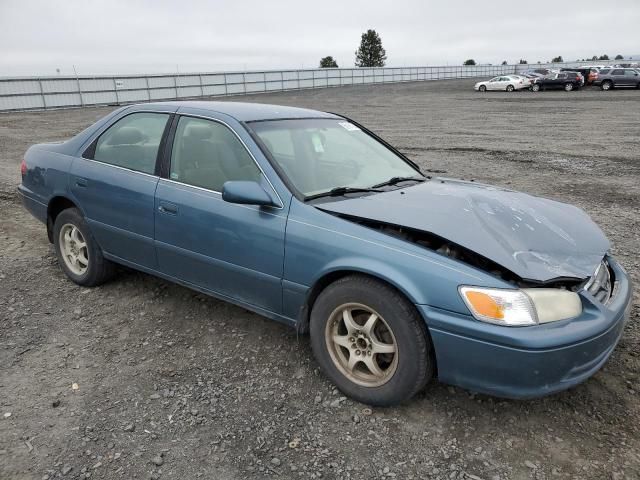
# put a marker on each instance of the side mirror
(246, 193)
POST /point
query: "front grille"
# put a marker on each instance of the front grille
(600, 284)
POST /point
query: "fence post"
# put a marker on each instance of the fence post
(44, 101)
(201, 87)
(115, 90)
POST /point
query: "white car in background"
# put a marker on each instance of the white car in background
(507, 83)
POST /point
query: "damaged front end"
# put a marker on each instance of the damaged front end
(450, 249)
(526, 240)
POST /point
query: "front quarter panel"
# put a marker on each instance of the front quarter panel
(318, 243)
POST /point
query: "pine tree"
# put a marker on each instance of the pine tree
(471, 61)
(370, 53)
(328, 62)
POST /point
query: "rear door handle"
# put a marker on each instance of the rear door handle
(168, 208)
(81, 182)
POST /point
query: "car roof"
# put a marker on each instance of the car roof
(247, 112)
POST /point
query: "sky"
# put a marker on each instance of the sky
(37, 37)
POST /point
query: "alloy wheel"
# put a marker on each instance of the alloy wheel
(361, 345)
(74, 249)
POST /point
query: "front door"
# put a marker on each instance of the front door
(233, 250)
(114, 183)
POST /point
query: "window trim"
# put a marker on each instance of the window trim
(90, 151)
(165, 167)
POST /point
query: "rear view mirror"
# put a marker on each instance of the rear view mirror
(246, 193)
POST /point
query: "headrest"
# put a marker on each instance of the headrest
(200, 132)
(126, 136)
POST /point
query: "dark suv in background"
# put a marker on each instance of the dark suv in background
(564, 80)
(609, 78)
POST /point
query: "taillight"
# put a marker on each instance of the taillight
(23, 168)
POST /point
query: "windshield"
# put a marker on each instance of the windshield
(318, 155)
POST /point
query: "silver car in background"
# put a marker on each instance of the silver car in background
(505, 83)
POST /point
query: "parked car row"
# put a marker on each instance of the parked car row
(567, 79)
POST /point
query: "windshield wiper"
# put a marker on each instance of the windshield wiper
(394, 180)
(339, 191)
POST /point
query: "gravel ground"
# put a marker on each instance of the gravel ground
(144, 379)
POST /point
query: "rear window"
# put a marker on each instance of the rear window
(132, 142)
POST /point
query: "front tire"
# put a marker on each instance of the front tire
(535, 87)
(370, 341)
(79, 255)
(482, 88)
(510, 88)
(568, 87)
(606, 85)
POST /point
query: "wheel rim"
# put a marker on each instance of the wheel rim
(568, 87)
(606, 86)
(73, 248)
(510, 88)
(361, 345)
(535, 88)
(482, 88)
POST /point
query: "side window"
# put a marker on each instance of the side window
(617, 72)
(132, 142)
(207, 154)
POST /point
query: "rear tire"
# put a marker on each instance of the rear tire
(606, 85)
(79, 255)
(568, 87)
(510, 88)
(396, 341)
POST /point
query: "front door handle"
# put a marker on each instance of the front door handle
(168, 208)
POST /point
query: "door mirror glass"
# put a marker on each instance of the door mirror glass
(246, 193)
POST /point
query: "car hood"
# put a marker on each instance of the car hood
(537, 239)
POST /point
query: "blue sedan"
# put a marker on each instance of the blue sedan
(310, 219)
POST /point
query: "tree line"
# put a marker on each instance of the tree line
(371, 53)
(557, 59)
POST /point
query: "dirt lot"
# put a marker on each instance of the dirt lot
(172, 384)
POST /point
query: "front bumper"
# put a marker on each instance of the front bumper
(528, 362)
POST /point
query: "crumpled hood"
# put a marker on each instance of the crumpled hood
(535, 238)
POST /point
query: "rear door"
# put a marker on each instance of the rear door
(558, 80)
(631, 78)
(236, 251)
(114, 184)
(617, 75)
